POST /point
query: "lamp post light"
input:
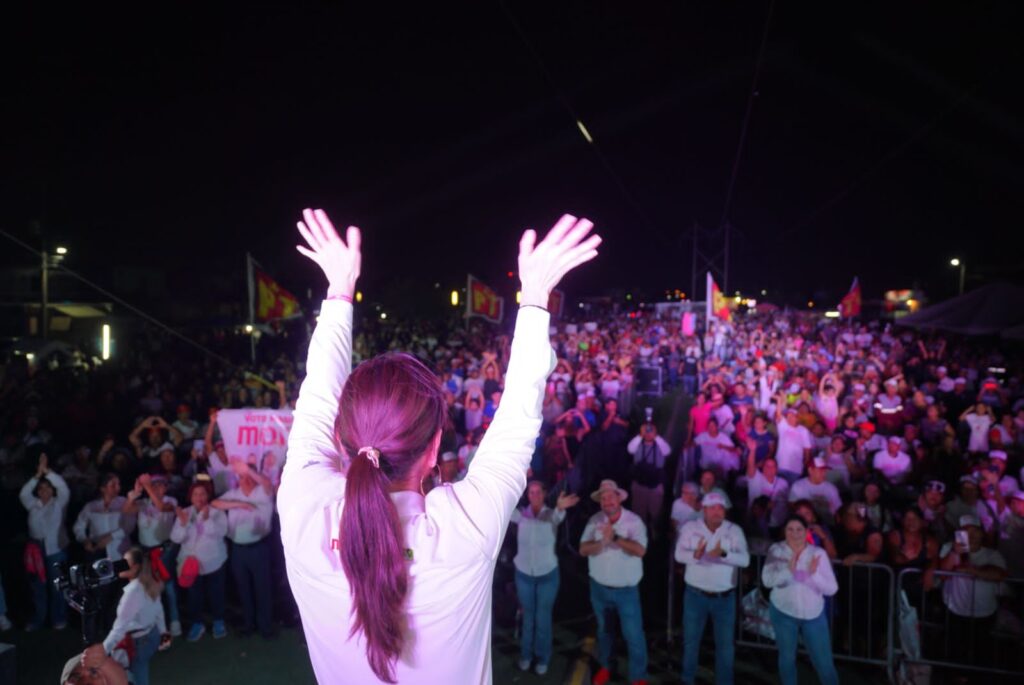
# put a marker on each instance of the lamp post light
(957, 262)
(49, 261)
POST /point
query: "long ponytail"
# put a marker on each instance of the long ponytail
(395, 405)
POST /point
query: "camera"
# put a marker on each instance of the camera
(648, 414)
(81, 586)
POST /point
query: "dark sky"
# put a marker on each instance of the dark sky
(885, 139)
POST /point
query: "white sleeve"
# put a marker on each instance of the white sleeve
(61, 486)
(127, 608)
(28, 500)
(314, 468)
(663, 445)
(776, 571)
(483, 501)
(634, 445)
(824, 578)
(81, 524)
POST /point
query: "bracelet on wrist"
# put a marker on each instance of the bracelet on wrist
(346, 298)
(535, 306)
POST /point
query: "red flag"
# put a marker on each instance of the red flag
(849, 306)
(484, 302)
(717, 304)
(273, 301)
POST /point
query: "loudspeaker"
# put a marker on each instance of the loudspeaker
(647, 380)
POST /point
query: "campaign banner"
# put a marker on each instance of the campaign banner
(483, 301)
(257, 436)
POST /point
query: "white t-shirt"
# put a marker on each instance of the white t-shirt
(713, 452)
(682, 513)
(793, 440)
(979, 425)
(536, 537)
(895, 469)
(824, 496)
(957, 592)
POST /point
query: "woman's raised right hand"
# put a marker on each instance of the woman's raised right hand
(341, 261)
(542, 265)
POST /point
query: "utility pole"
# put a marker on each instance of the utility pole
(44, 318)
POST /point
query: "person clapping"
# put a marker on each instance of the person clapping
(200, 530)
(46, 496)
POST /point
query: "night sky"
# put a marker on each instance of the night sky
(883, 141)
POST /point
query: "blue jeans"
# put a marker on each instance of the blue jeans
(212, 587)
(145, 647)
(816, 638)
(722, 610)
(626, 602)
(46, 596)
(169, 556)
(250, 565)
(537, 597)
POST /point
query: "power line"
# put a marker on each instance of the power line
(724, 223)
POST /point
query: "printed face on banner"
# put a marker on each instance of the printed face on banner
(257, 436)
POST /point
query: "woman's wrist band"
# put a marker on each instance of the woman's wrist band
(346, 298)
(535, 306)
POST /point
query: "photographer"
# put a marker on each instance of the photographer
(200, 530)
(46, 496)
(649, 451)
(140, 616)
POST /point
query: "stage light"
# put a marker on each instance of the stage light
(954, 262)
(248, 328)
(106, 342)
(455, 298)
(832, 314)
(383, 315)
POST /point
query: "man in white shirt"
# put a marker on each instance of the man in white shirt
(614, 542)
(795, 443)
(250, 510)
(649, 451)
(718, 453)
(972, 600)
(893, 463)
(712, 549)
(823, 495)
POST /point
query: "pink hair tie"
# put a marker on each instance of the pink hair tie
(371, 453)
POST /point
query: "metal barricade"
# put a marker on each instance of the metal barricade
(861, 614)
(949, 640)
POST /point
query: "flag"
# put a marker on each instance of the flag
(556, 304)
(267, 299)
(849, 306)
(717, 304)
(483, 301)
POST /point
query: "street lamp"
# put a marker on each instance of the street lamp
(957, 262)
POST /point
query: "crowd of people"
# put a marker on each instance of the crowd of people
(808, 442)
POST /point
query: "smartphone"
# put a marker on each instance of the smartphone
(963, 539)
(199, 445)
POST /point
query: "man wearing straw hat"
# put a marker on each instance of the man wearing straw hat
(614, 542)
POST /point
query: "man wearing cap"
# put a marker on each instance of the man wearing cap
(944, 383)
(888, 408)
(614, 542)
(795, 442)
(712, 549)
(816, 488)
(970, 503)
(892, 462)
(250, 510)
(971, 598)
(1007, 484)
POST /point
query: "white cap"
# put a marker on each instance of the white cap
(893, 382)
(713, 498)
(997, 454)
(819, 463)
(895, 438)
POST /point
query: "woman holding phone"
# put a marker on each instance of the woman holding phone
(384, 576)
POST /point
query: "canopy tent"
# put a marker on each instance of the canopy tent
(995, 309)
